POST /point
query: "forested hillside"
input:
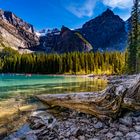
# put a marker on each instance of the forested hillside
(67, 63)
(91, 49)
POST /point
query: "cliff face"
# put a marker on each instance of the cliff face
(15, 32)
(105, 32)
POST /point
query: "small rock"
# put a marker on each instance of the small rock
(119, 134)
(113, 130)
(109, 135)
(74, 130)
(116, 138)
(84, 121)
(104, 131)
(98, 125)
(137, 128)
(126, 121)
(72, 138)
(95, 139)
(133, 136)
(81, 138)
(114, 125)
(68, 134)
(137, 123)
(123, 128)
(135, 119)
(87, 135)
(95, 120)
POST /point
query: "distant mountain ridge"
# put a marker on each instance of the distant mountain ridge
(63, 41)
(107, 32)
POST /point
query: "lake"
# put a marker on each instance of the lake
(18, 91)
(30, 85)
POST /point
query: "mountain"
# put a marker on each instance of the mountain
(16, 33)
(63, 41)
(105, 32)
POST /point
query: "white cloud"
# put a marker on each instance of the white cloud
(82, 9)
(122, 4)
(85, 8)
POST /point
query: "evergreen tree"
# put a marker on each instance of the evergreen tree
(72, 63)
(134, 39)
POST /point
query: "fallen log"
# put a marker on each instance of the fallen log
(104, 105)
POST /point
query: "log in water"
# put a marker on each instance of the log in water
(104, 105)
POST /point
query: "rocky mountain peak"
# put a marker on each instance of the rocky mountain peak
(11, 18)
(64, 29)
(15, 32)
(105, 32)
(106, 17)
(108, 12)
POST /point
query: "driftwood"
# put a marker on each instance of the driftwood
(104, 105)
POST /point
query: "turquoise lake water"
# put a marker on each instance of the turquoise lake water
(17, 94)
(27, 86)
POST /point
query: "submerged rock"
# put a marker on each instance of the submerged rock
(21, 133)
(31, 137)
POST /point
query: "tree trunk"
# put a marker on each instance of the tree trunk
(104, 105)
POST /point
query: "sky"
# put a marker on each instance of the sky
(51, 14)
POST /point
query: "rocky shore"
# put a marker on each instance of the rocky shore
(59, 123)
(70, 125)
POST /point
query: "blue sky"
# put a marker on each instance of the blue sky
(71, 13)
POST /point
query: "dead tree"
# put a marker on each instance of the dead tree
(104, 105)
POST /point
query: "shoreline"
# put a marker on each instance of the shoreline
(12, 107)
(104, 76)
(73, 125)
(46, 74)
(63, 123)
(112, 80)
